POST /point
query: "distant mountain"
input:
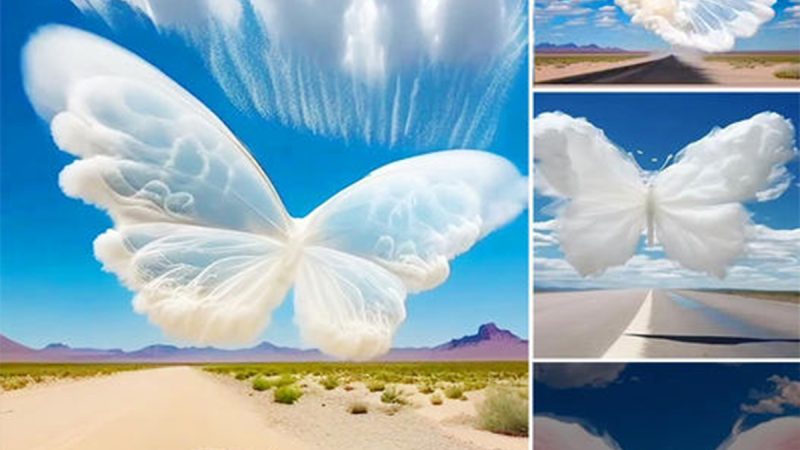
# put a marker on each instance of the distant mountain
(489, 343)
(547, 47)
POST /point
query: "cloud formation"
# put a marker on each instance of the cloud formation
(366, 69)
(555, 434)
(786, 394)
(571, 375)
(777, 434)
(771, 261)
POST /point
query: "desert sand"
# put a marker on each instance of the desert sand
(724, 73)
(551, 72)
(185, 408)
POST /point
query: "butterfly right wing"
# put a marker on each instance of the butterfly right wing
(699, 216)
(199, 232)
(605, 212)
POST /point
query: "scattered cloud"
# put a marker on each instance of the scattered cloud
(786, 394)
(772, 261)
(571, 375)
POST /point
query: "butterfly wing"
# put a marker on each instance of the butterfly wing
(603, 215)
(394, 232)
(194, 215)
(708, 25)
(699, 217)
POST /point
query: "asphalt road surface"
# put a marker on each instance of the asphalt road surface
(663, 324)
(667, 70)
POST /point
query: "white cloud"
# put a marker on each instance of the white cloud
(777, 434)
(365, 68)
(771, 262)
(550, 433)
(786, 393)
(572, 375)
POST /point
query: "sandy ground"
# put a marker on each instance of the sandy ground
(322, 416)
(180, 408)
(723, 73)
(168, 408)
(552, 72)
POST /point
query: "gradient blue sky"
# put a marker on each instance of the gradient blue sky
(660, 124)
(53, 290)
(656, 406)
(583, 22)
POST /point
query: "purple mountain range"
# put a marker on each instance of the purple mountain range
(490, 343)
(547, 47)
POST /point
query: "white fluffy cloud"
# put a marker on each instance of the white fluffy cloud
(556, 434)
(571, 375)
(777, 434)
(772, 261)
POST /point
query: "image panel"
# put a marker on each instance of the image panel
(264, 224)
(666, 225)
(661, 406)
(676, 42)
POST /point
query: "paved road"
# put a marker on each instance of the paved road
(668, 324)
(667, 70)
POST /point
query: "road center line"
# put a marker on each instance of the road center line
(630, 346)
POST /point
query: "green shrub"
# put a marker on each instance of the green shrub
(284, 380)
(393, 395)
(330, 382)
(504, 411)
(792, 73)
(454, 391)
(425, 389)
(287, 394)
(357, 407)
(376, 385)
(261, 383)
(436, 399)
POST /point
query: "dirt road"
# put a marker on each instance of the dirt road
(175, 408)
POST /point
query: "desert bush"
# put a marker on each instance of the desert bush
(791, 73)
(287, 394)
(454, 391)
(436, 399)
(376, 385)
(330, 382)
(393, 395)
(504, 411)
(348, 387)
(261, 383)
(425, 389)
(284, 380)
(357, 407)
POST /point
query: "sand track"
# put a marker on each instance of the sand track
(172, 408)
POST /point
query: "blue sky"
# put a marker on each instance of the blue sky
(603, 23)
(660, 124)
(655, 406)
(53, 289)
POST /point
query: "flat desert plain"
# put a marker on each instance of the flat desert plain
(194, 408)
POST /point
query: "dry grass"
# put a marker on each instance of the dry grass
(504, 411)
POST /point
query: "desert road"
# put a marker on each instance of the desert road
(667, 70)
(171, 408)
(663, 324)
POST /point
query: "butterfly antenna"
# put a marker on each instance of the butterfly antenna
(666, 161)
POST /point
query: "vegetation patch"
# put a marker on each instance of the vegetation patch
(287, 395)
(357, 407)
(504, 411)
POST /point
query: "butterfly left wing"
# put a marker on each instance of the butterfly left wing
(394, 232)
(199, 231)
(698, 215)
